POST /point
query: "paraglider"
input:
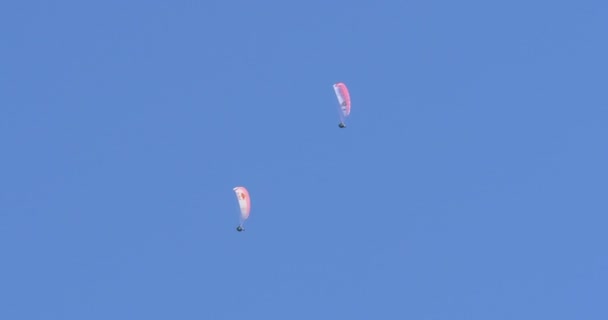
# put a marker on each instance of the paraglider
(242, 195)
(344, 101)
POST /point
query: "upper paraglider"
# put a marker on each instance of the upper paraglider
(242, 196)
(344, 100)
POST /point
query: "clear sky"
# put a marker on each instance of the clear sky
(470, 183)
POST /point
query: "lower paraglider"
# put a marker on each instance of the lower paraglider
(344, 102)
(242, 195)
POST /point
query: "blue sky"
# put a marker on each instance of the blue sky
(470, 182)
